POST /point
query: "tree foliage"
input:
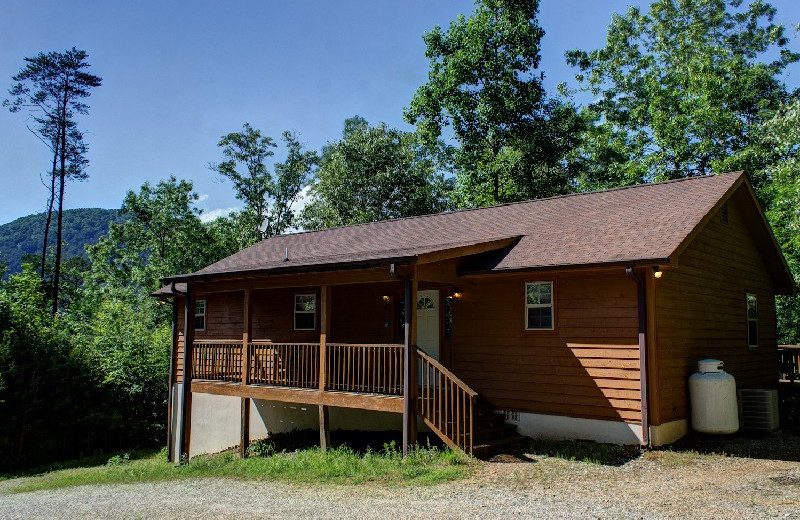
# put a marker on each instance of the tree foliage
(485, 89)
(374, 173)
(162, 234)
(776, 150)
(678, 89)
(268, 195)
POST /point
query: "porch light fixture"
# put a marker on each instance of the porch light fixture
(386, 299)
(657, 271)
(457, 296)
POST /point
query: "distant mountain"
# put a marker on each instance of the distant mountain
(81, 227)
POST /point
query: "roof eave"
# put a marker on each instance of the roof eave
(590, 265)
(309, 268)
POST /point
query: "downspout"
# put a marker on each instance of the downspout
(641, 289)
(188, 340)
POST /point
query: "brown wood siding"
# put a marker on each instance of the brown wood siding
(359, 314)
(701, 311)
(587, 367)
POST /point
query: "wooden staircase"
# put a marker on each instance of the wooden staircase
(456, 413)
(491, 430)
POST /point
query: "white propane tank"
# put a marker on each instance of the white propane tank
(712, 393)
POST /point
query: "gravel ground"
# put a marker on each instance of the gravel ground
(657, 485)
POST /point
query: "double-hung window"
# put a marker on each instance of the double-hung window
(305, 311)
(200, 315)
(539, 306)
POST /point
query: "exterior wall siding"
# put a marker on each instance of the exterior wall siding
(588, 366)
(702, 313)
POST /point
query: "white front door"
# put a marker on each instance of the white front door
(428, 322)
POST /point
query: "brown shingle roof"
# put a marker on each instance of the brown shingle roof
(624, 225)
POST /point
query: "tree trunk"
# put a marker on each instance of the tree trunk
(62, 178)
(50, 203)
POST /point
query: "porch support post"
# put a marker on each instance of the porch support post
(324, 327)
(246, 329)
(410, 382)
(188, 352)
(171, 383)
(641, 297)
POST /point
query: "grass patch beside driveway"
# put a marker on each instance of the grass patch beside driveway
(340, 465)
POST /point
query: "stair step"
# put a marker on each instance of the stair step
(489, 421)
(496, 432)
(485, 448)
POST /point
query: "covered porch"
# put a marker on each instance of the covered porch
(283, 354)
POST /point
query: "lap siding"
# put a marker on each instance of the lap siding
(588, 366)
(701, 311)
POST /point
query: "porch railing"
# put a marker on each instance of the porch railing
(789, 362)
(285, 364)
(376, 369)
(217, 360)
(445, 403)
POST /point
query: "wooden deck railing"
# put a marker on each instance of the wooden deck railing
(376, 369)
(789, 362)
(217, 360)
(445, 403)
(285, 364)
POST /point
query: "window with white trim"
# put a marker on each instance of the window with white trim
(539, 306)
(200, 315)
(305, 311)
(752, 320)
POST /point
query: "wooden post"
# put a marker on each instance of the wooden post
(188, 350)
(324, 326)
(410, 382)
(171, 383)
(246, 329)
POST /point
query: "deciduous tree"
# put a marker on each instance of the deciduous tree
(268, 196)
(678, 89)
(374, 173)
(485, 91)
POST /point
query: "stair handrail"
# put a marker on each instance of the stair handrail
(464, 386)
(454, 426)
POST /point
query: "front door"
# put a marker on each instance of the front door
(428, 322)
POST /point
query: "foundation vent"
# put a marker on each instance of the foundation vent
(758, 409)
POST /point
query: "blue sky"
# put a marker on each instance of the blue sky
(178, 75)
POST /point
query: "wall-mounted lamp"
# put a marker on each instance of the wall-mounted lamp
(457, 296)
(386, 299)
(657, 271)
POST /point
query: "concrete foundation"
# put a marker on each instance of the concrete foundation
(614, 432)
(216, 420)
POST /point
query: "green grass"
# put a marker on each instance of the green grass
(339, 465)
(585, 451)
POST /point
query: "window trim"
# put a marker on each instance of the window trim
(295, 312)
(750, 344)
(551, 306)
(203, 314)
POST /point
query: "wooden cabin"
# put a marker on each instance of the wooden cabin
(579, 316)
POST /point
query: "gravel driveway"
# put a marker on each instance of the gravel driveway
(657, 485)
